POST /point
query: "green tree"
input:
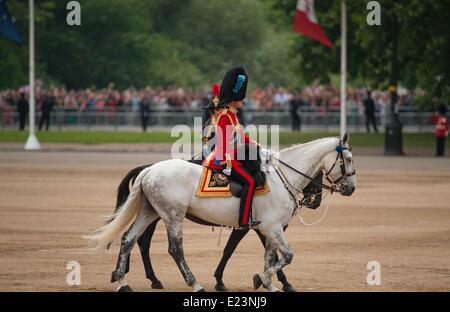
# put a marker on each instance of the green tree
(135, 42)
(219, 34)
(109, 46)
(423, 44)
(14, 57)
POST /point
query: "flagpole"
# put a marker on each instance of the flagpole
(343, 69)
(32, 142)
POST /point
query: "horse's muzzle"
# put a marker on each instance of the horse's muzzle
(346, 189)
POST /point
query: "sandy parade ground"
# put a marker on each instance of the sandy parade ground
(398, 216)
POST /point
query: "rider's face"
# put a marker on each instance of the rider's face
(235, 104)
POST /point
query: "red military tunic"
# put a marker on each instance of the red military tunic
(229, 135)
(441, 125)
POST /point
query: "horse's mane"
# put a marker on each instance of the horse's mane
(307, 144)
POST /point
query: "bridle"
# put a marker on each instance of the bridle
(333, 187)
(340, 156)
(334, 184)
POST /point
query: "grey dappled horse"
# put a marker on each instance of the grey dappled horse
(166, 190)
(145, 240)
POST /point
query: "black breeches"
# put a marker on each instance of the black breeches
(440, 145)
(241, 175)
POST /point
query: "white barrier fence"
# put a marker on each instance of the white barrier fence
(310, 118)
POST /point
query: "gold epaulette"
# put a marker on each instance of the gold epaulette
(225, 112)
(233, 110)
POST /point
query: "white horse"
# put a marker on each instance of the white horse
(167, 190)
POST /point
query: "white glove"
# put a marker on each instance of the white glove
(265, 151)
(227, 171)
(269, 153)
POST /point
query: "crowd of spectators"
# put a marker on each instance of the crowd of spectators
(321, 97)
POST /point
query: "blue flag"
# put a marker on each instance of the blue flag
(7, 24)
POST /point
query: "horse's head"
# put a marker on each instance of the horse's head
(339, 167)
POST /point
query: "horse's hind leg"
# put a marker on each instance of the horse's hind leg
(146, 216)
(287, 287)
(175, 235)
(144, 247)
(275, 241)
(234, 239)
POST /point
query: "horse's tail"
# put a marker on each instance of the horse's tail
(124, 187)
(125, 215)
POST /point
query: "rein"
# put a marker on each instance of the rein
(344, 175)
(333, 187)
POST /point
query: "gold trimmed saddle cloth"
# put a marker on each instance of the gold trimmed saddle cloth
(213, 183)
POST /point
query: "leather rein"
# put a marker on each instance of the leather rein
(333, 187)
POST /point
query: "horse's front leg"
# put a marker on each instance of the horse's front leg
(287, 287)
(270, 258)
(234, 239)
(276, 240)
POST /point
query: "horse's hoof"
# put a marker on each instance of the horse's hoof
(157, 285)
(221, 287)
(125, 288)
(289, 288)
(257, 282)
(198, 288)
(113, 277)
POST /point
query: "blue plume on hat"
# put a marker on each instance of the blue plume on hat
(240, 80)
(233, 86)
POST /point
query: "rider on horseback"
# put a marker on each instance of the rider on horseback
(230, 136)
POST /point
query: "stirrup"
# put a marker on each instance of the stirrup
(250, 224)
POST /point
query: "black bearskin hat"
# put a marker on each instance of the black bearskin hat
(233, 86)
(442, 109)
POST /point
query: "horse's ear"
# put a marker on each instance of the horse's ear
(346, 138)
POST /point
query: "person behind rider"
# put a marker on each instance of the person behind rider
(208, 129)
(230, 136)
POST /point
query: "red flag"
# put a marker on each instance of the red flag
(305, 22)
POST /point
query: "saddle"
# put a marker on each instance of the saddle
(214, 183)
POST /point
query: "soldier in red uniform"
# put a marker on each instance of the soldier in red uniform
(230, 136)
(441, 121)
